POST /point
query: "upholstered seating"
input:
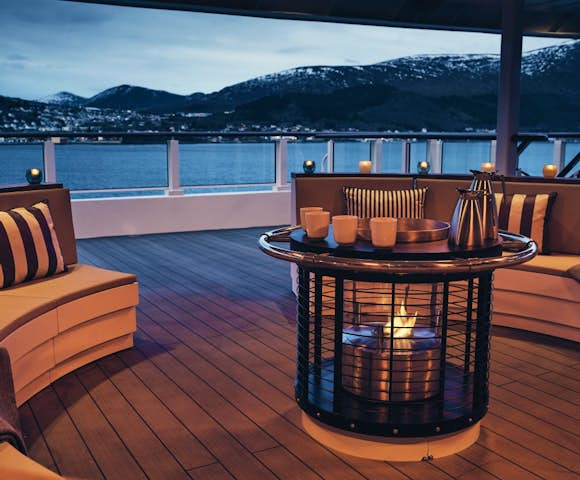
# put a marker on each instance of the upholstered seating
(50, 326)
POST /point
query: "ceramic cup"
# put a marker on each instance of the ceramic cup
(344, 229)
(383, 232)
(303, 211)
(317, 224)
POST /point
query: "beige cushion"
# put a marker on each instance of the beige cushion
(555, 264)
(29, 300)
(15, 465)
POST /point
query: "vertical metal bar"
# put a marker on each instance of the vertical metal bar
(330, 156)
(480, 375)
(435, 154)
(444, 321)
(377, 155)
(468, 327)
(303, 341)
(49, 160)
(406, 156)
(281, 163)
(173, 168)
(559, 153)
(391, 340)
(508, 98)
(338, 321)
(317, 325)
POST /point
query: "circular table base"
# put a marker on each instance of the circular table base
(390, 449)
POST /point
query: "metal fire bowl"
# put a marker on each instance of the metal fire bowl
(367, 371)
(410, 230)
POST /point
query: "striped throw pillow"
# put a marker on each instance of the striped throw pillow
(368, 203)
(29, 248)
(527, 214)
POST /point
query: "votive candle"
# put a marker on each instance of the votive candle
(364, 166)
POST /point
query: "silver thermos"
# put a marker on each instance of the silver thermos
(482, 182)
(467, 222)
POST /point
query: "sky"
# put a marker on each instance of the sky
(47, 46)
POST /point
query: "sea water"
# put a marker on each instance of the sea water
(207, 167)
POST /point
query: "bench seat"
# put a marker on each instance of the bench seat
(52, 326)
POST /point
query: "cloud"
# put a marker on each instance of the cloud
(16, 57)
(51, 12)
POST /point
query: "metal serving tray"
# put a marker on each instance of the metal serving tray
(410, 230)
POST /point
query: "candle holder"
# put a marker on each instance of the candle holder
(488, 167)
(365, 166)
(423, 167)
(34, 175)
(309, 166)
(550, 170)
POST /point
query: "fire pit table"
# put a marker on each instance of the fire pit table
(393, 344)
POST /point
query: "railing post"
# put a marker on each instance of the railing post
(405, 156)
(492, 151)
(49, 161)
(281, 162)
(330, 156)
(559, 154)
(434, 154)
(377, 155)
(173, 168)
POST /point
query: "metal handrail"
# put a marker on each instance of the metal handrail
(526, 250)
(319, 135)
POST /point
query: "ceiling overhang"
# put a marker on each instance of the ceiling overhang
(552, 18)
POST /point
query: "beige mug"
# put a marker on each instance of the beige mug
(317, 224)
(344, 229)
(303, 211)
(383, 232)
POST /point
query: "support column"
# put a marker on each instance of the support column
(330, 156)
(377, 155)
(508, 101)
(435, 155)
(173, 179)
(281, 153)
(49, 161)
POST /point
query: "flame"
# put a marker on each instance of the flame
(403, 323)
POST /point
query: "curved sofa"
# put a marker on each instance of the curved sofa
(542, 295)
(54, 325)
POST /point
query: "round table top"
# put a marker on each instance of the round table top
(409, 258)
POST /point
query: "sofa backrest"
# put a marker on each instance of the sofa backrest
(58, 199)
(326, 190)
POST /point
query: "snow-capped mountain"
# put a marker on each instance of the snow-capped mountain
(64, 98)
(437, 92)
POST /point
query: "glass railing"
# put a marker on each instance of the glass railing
(126, 164)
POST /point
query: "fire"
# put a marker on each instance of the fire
(403, 323)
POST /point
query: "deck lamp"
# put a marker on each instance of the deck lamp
(309, 166)
(423, 167)
(34, 175)
(549, 170)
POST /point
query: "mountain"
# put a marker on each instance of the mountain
(437, 92)
(64, 98)
(128, 97)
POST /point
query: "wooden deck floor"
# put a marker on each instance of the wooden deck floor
(207, 392)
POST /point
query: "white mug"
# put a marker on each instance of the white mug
(317, 224)
(303, 211)
(383, 232)
(344, 229)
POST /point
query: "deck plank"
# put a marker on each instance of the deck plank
(207, 392)
(105, 445)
